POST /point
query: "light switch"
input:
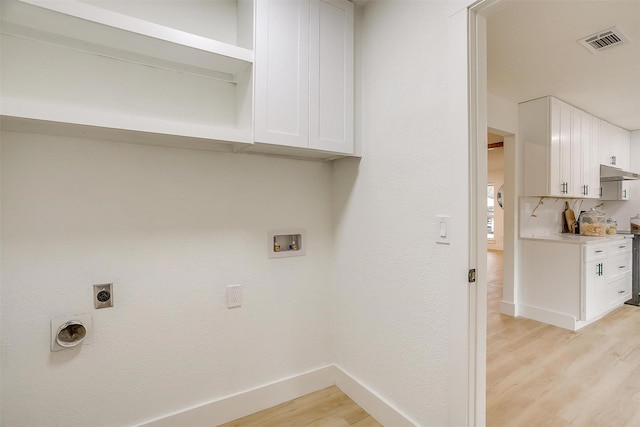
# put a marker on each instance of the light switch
(442, 225)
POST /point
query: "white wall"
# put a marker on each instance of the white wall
(495, 165)
(171, 229)
(397, 292)
(502, 114)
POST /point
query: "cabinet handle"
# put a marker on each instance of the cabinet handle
(613, 160)
(600, 191)
(621, 292)
(624, 194)
(622, 266)
(599, 251)
(622, 246)
(586, 192)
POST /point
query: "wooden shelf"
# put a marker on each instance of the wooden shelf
(89, 28)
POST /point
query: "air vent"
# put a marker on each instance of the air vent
(604, 39)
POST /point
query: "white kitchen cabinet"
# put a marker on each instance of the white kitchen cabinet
(304, 74)
(615, 145)
(569, 284)
(583, 138)
(558, 149)
(615, 190)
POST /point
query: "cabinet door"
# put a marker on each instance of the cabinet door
(281, 72)
(331, 69)
(560, 154)
(587, 167)
(622, 145)
(604, 143)
(617, 190)
(595, 289)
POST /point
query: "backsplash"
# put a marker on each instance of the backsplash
(543, 216)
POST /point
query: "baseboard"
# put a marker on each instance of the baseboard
(508, 308)
(245, 403)
(550, 317)
(239, 405)
(384, 412)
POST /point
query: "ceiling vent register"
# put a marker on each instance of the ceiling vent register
(604, 39)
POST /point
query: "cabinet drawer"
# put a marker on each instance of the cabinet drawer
(618, 291)
(619, 247)
(618, 266)
(594, 252)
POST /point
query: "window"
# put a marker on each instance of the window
(490, 211)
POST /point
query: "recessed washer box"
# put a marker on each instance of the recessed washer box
(286, 243)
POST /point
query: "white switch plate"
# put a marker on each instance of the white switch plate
(234, 296)
(443, 229)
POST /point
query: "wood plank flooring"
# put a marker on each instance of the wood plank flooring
(329, 407)
(541, 375)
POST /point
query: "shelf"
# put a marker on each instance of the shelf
(85, 27)
(68, 121)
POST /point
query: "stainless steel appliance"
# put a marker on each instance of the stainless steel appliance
(635, 287)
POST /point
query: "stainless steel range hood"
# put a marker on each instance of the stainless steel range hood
(609, 174)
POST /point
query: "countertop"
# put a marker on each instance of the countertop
(578, 239)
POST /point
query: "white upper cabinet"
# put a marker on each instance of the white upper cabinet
(331, 84)
(557, 149)
(584, 140)
(282, 73)
(615, 145)
(304, 74)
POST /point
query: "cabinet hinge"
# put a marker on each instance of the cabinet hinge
(472, 275)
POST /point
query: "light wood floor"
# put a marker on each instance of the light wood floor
(541, 375)
(329, 407)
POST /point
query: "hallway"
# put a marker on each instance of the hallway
(541, 375)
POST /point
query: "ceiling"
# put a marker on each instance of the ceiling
(533, 51)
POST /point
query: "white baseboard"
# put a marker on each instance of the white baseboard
(508, 308)
(550, 317)
(239, 405)
(384, 412)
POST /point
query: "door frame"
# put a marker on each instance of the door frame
(478, 125)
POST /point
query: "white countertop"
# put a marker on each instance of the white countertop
(578, 239)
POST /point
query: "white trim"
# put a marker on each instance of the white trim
(229, 408)
(508, 308)
(550, 317)
(238, 405)
(380, 409)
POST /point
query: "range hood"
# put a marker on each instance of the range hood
(610, 174)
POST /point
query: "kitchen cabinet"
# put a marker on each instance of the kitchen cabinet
(616, 190)
(570, 284)
(615, 145)
(584, 134)
(183, 74)
(304, 74)
(561, 159)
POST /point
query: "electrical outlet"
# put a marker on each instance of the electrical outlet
(103, 295)
(234, 296)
